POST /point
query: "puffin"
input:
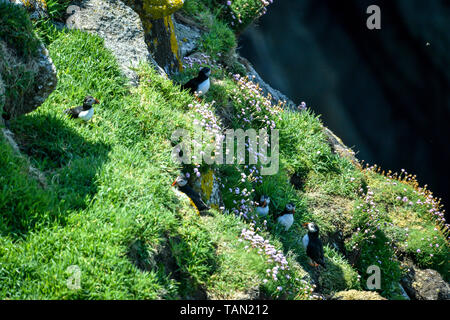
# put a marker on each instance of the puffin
(263, 208)
(199, 84)
(313, 245)
(182, 183)
(84, 112)
(286, 218)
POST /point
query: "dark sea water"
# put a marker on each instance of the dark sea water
(385, 92)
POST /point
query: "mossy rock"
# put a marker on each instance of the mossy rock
(2, 95)
(159, 9)
(357, 295)
(36, 8)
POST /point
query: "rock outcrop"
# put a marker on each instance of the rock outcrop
(208, 186)
(425, 285)
(187, 36)
(120, 27)
(36, 8)
(267, 89)
(156, 17)
(2, 96)
(40, 79)
(357, 295)
(27, 75)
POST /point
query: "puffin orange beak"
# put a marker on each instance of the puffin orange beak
(305, 224)
(264, 204)
(96, 101)
(174, 183)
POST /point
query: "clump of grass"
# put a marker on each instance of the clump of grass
(46, 30)
(45, 27)
(241, 13)
(339, 274)
(238, 14)
(219, 42)
(16, 30)
(56, 9)
(196, 9)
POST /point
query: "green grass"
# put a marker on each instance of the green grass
(109, 183)
(23, 203)
(339, 275)
(219, 40)
(57, 8)
(46, 27)
(239, 15)
(17, 31)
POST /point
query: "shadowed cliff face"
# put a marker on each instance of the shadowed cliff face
(384, 92)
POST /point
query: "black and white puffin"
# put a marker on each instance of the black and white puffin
(199, 84)
(263, 206)
(84, 112)
(313, 245)
(182, 183)
(286, 218)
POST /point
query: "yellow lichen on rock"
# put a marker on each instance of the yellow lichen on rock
(34, 4)
(159, 9)
(357, 295)
(173, 40)
(207, 183)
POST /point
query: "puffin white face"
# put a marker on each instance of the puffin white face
(90, 101)
(312, 227)
(264, 200)
(180, 181)
(290, 207)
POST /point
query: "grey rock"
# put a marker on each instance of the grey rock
(357, 295)
(187, 36)
(267, 89)
(208, 186)
(120, 27)
(2, 95)
(36, 8)
(45, 79)
(425, 285)
(338, 147)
